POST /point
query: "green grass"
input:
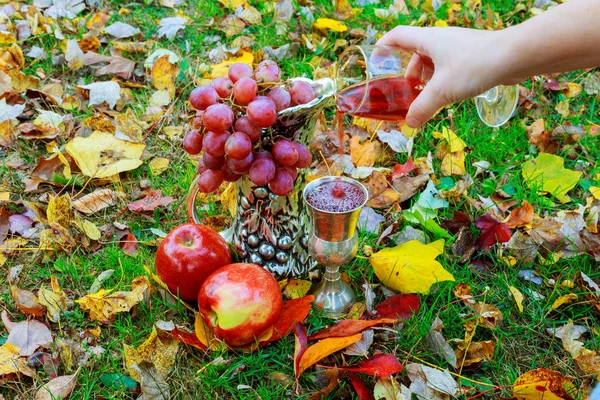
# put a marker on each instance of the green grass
(521, 341)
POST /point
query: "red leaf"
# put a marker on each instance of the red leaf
(349, 327)
(378, 365)
(401, 170)
(129, 244)
(492, 232)
(453, 225)
(293, 311)
(150, 202)
(301, 344)
(554, 85)
(401, 306)
(361, 389)
(188, 338)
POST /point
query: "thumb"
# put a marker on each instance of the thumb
(427, 103)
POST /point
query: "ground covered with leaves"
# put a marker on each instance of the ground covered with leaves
(496, 230)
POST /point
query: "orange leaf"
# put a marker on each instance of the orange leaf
(188, 338)
(520, 216)
(204, 334)
(349, 327)
(293, 311)
(363, 155)
(300, 347)
(543, 383)
(324, 348)
(27, 302)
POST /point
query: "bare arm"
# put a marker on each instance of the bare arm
(468, 62)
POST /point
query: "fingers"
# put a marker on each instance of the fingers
(414, 69)
(405, 37)
(426, 104)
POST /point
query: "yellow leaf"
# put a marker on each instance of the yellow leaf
(454, 164)
(89, 229)
(12, 363)
(543, 384)
(568, 298)
(57, 238)
(323, 348)
(221, 69)
(59, 211)
(297, 288)
(455, 143)
(101, 155)
(229, 198)
(204, 334)
(563, 108)
(441, 23)
(547, 173)
(363, 155)
(233, 4)
(329, 24)
(104, 306)
(595, 191)
(411, 266)
(158, 165)
(7, 38)
(573, 89)
(518, 297)
(54, 299)
(159, 349)
(129, 126)
(163, 75)
(587, 361)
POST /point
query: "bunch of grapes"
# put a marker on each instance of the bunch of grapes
(232, 124)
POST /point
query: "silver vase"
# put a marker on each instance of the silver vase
(272, 230)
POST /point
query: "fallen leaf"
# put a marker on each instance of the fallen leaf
(349, 327)
(378, 365)
(54, 299)
(587, 361)
(296, 288)
(28, 336)
(170, 26)
(566, 299)
(492, 232)
(27, 302)
(100, 155)
(543, 383)
(300, 346)
(152, 384)
(96, 201)
(518, 296)
(293, 311)
(397, 141)
(149, 203)
(574, 330)
(402, 306)
(489, 316)
(361, 348)
(520, 216)
(363, 154)
(59, 211)
(546, 173)
(163, 75)
(332, 375)
(159, 350)
(129, 244)
(439, 381)
(523, 247)
(74, 55)
(388, 388)
(188, 338)
(11, 363)
(121, 30)
(104, 306)
(563, 108)
(233, 4)
(410, 267)
(204, 334)
(438, 343)
(328, 24)
(369, 220)
(590, 288)
(60, 387)
(158, 165)
(324, 348)
(363, 392)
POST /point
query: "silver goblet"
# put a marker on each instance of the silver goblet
(333, 243)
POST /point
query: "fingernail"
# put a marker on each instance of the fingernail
(413, 122)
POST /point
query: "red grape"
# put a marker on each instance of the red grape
(218, 118)
(267, 71)
(240, 166)
(192, 142)
(285, 153)
(229, 175)
(223, 86)
(197, 122)
(301, 92)
(292, 171)
(262, 171)
(304, 156)
(244, 90)
(239, 70)
(263, 154)
(282, 183)
(202, 97)
(280, 97)
(214, 143)
(212, 162)
(210, 180)
(244, 124)
(201, 167)
(238, 146)
(261, 112)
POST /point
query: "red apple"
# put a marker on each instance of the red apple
(240, 302)
(187, 256)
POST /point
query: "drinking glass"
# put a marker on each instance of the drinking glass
(382, 82)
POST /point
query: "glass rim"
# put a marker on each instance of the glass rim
(312, 185)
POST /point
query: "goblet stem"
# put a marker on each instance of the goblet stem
(334, 296)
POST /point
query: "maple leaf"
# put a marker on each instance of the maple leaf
(410, 267)
(159, 349)
(492, 232)
(546, 173)
(543, 383)
(150, 202)
(401, 170)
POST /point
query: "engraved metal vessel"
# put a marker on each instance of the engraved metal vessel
(272, 230)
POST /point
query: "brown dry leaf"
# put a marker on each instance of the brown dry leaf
(54, 299)
(489, 315)
(27, 302)
(438, 343)
(130, 128)
(28, 336)
(332, 376)
(11, 363)
(152, 200)
(468, 353)
(343, 10)
(57, 238)
(163, 75)
(152, 385)
(409, 186)
(159, 349)
(324, 348)
(546, 232)
(523, 247)
(104, 306)
(363, 155)
(59, 211)
(588, 361)
(521, 216)
(376, 184)
(385, 199)
(98, 21)
(296, 288)
(132, 47)
(60, 387)
(543, 384)
(96, 201)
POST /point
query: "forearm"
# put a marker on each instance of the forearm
(561, 39)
